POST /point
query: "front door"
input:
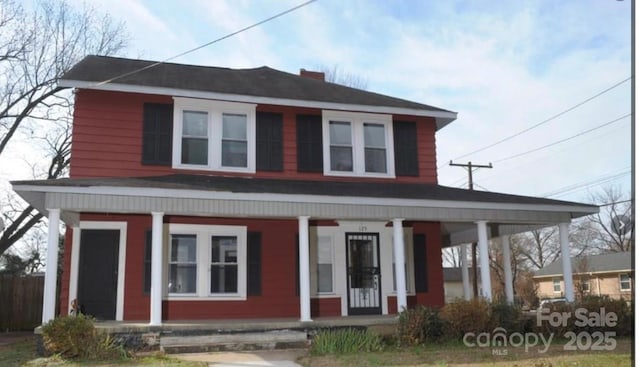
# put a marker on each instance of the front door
(98, 273)
(363, 274)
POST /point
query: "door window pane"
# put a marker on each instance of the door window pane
(234, 140)
(182, 264)
(224, 264)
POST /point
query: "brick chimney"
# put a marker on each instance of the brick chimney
(318, 75)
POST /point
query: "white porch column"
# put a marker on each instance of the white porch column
(485, 273)
(398, 252)
(567, 273)
(156, 269)
(305, 283)
(51, 273)
(464, 268)
(506, 266)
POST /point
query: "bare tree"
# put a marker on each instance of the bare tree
(540, 247)
(336, 75)
(613, 205)
(452, 256)
(36, 49)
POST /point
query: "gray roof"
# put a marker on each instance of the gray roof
(304, 187)
(259, 82)
(609, 262)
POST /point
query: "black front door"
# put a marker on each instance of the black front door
(98, 273)
(363, 274)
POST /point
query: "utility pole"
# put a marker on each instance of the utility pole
(474, 246)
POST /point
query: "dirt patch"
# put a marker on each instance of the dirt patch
(7, 339)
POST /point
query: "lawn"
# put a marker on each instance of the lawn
(23, 353)
(459, 355)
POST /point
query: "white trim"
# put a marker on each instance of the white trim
(122, 251)
(357, 121)
(295, 198)
(51, 271)
(215, 110)
(203, 233)
(444, 117)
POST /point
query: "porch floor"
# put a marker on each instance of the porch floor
(243, 325)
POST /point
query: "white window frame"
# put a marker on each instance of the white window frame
(553, 285)
(214, 110)
(357, 121)
(170, 243)
(204, 260)
(628, 281)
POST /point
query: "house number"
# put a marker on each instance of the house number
(362, 228)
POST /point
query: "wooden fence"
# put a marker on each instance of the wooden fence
(20, 302)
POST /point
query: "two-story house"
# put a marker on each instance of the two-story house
(212, 193)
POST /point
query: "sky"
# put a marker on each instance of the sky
(503, 66)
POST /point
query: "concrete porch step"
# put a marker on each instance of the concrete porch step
(266, 340)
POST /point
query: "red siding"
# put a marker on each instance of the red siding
(321, 307)
(65, 278)
(107, 140)
(435, 296)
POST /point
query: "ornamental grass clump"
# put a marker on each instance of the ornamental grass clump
(344, 341)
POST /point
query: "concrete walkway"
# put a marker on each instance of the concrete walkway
(274, 358)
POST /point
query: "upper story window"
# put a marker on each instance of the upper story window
(214, 135)
(357, 144)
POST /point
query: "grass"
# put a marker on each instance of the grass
(456, 354)
(23, 353)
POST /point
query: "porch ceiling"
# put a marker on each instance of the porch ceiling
(192, 195)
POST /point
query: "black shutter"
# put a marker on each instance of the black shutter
(309, 141)
(405, 142)
(157, 134)
(147, 262)
(420, 262)
(254, 264)
(268, 141)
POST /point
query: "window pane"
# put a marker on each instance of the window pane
(224, 249)
(341, 159)
(194, 123)
(195, 151)
(224, 278)
(375, 160)
(325, 278)
(183, 248)
(374, 136)
(182, 278)
(234, 153)
(340, 132)
(234, 126)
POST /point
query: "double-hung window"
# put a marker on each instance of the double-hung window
(557, 288)
(214, 135)
(207, 261)
(625, 282)
(183, 264)
(357, 144)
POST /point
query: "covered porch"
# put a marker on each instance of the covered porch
(461, 217)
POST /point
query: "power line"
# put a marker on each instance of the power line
(547, 120)
(567, 189)
(563, 140)
(616, 202)
(208, 43)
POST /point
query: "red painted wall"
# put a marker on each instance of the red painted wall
(322, 307)
(435, 295)
(107, 140)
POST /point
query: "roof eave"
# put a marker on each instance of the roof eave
(442, 118)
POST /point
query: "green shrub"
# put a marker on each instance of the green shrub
(507, 316)
(342, 341)
(460, 317)
(419, 325)
(76, 337)
(620, 307)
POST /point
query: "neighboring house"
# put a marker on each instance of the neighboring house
(600, 275)
(212, 193)
(453, 287)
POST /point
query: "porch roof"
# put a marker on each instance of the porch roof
(183, 194)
